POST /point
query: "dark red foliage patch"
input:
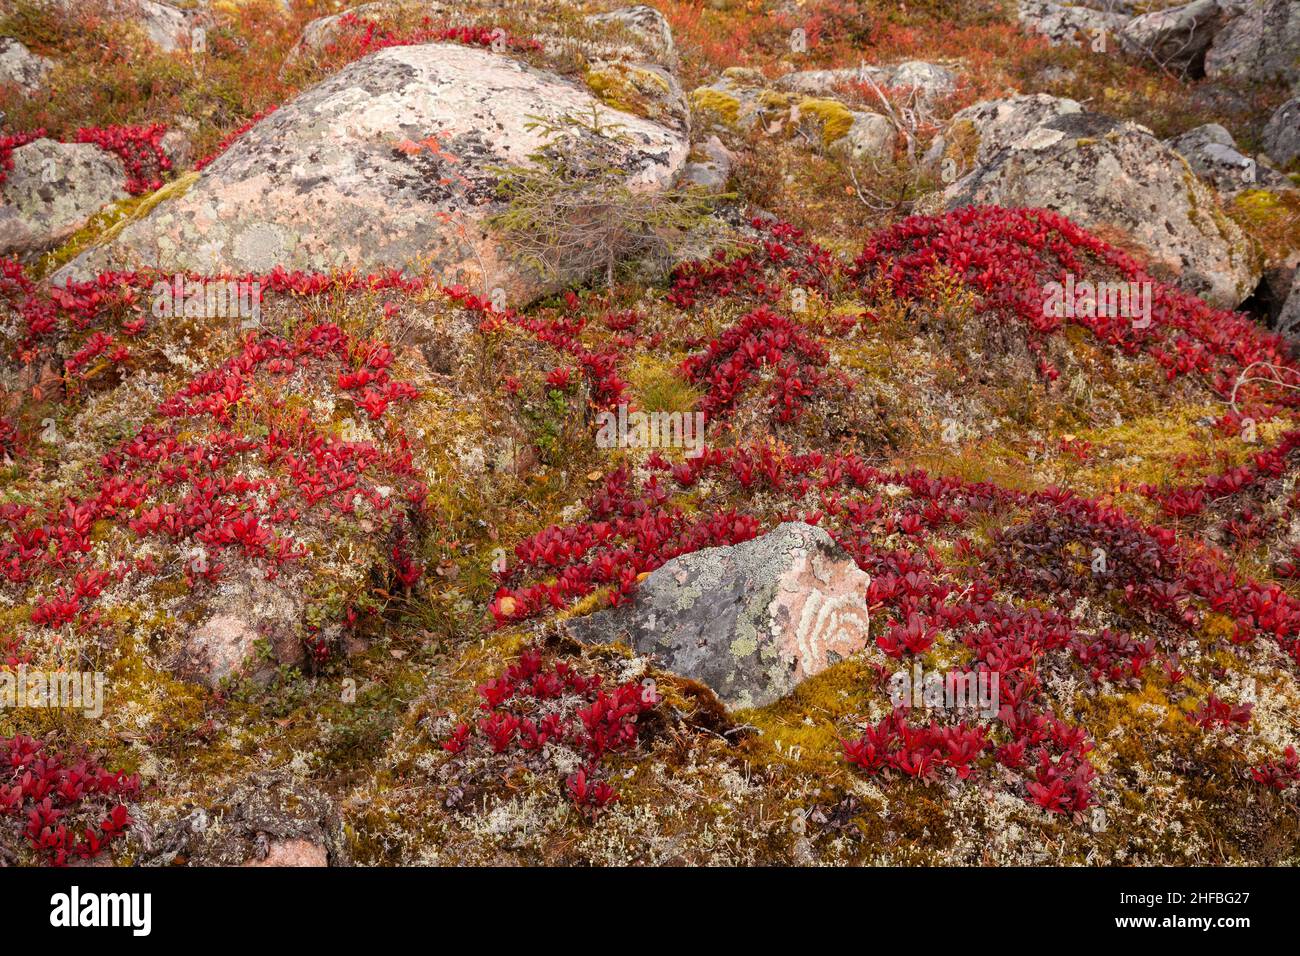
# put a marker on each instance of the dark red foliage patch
(66, 811)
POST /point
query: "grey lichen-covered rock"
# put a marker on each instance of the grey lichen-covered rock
(929, 79)
(712, 171)
(999, 123)
(752, 620)
(176, 144)
(53, 190)
(1281, 137)
(1213, 155)
(821, 82)
(1287, 321)
(647, 27)
(338, 179)
(1176, 38)
(269, 819)
(1261, 42)
(1071, 23)
(170, 27)
(1106, 174)
(740, 99)
(871, 137)
(22, 68)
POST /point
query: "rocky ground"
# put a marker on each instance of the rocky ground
(332, 340)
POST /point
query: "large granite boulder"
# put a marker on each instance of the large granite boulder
(1262, 42)
(1109, 175)
(751, 620)
(21, 67)
(53, 190)
(391, 163)
(997, 124)
(1281, 138)
(1071, 24)
(1176, 38)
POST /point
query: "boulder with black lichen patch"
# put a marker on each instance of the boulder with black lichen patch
(1260, 43)
(53, 190)
(345, 176)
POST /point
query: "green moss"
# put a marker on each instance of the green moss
(1259, 204)
(1271, 219)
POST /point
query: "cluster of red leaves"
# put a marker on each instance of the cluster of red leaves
(1007, 256)
(1254, 497)
(183, 477)
(1147, 569)
(139, 148)
(9, 440)
(535, 702)
(916, 751)
(1279, 774)
(1264, 465)
(358, 36)
(761, 338)
(10, 142)
(1219, 713)
(625, 538)
(49, 316)
(71, 811)
(784, 258)
(600, 367)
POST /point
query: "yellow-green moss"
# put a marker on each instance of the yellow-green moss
(835, 118)
(631, 89)
(805, 727)
(659, 387)
(723, 105)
